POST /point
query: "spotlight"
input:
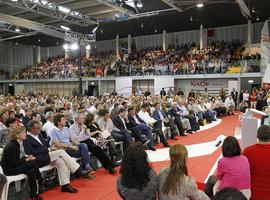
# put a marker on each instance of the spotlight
(65, 28)
(88, 47)
(39, 40)
(191, 18)
(139, 4)
(257, 18)
(142, 25)
(155, 30)
(17, 29)
(199, 5)
(74, 46)
(253, 10)
(65, 47)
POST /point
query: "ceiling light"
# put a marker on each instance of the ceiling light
(65, 47)
(253, 10)
(199, 5)
(257, 18)
(139, 4)
(191, 18)
(39, 40)
(155, 30)
(142, 25)
(101, 30)
(16, 43)
(63, 9)
(17, 29)
(57, 43)
(88, 47)
(74, 46)
(65, 28)
(14, 0)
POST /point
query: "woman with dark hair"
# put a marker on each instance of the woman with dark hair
(233, 169)
(138, 180)
(174, 182)
(96, 133)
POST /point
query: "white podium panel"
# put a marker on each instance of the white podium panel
(249, 131)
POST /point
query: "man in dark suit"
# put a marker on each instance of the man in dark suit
(36, 145)
(136, 122)
(234, 95)
(162, 92)
(121, 122)
(160, 115)
(28, 116)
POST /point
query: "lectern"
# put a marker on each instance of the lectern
(250, 125)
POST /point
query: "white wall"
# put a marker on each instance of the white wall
(163, 82)
(123, 86)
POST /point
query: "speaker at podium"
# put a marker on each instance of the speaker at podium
(250, 125)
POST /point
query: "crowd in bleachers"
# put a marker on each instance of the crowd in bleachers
(40, 130)
(218, 57)
(59, 67)
(184, 59)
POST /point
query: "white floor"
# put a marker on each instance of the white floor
(194, 150)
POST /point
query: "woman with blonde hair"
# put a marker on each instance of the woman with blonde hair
(15, 161)
(174, 182)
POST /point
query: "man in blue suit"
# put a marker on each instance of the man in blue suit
(160, 115)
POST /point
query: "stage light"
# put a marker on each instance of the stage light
(139, 4)
(65, 28)
(199, 5)
(65, 47)
(88, 47)
(64, 9)
(74, 46)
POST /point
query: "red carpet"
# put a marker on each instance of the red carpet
(103, 188)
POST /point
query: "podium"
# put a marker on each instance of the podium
(250, 126)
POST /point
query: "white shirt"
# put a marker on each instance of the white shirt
(47, 127)
(146, 117)
(245, 96)
(229, 102)
(35, 137)
(22, 111)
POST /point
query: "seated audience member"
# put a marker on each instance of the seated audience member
(14, 161)
(156, 125)
(160, 115)
(233, 169)
(3, 128)
(229, 194)
(243, 106)
(174, 182)
(185, 113)
(136, 122)
(180, 121)
(36, 145)
(27, 117)
(105, 123)
(219, 107)
(138, 180)
(3, 181)
(10, 122)
(37, 117)
(121, 122)
(62, 139)
(257, 155)
(49, 125)
(80, 133)
(96, 133)
(229, 104)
